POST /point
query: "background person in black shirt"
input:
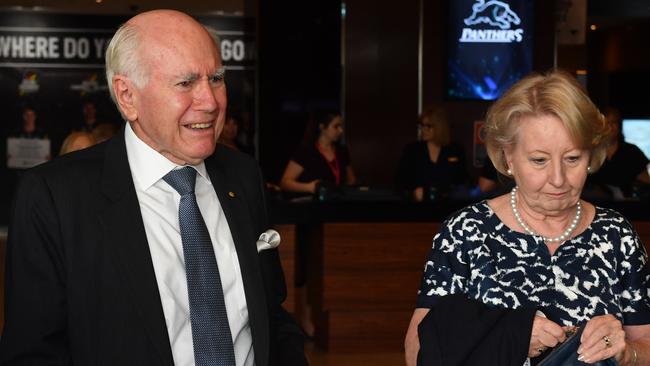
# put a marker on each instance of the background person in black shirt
(321, 159)
(432, 162)
(624, 166)
(29, 127)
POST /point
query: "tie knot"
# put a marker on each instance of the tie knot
(182, 180)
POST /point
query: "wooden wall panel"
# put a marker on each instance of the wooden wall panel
(366, 282)
(381, 81)
(287, 250)
(357, 331)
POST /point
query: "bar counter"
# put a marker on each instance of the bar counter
(357, 264)
(353, 267)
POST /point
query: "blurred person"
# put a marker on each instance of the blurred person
(229, 135)
(433, 162)
(321, 159)
(103, 132)
(625, 164)
(491, 182)
(28, 144)
(540, 247)
(77, 141)
(29, 127)
(89, 116)
(151, 248)
(245, 132)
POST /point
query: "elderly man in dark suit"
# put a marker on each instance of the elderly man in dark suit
(142, 250)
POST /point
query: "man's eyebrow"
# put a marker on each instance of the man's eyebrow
(188, 76)
(219, 73)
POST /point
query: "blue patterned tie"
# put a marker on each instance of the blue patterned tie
(210, 330)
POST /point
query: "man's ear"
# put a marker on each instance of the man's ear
(124, 95)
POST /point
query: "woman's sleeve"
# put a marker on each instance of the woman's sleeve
(447, 269)
(635, 277)
(301, 156)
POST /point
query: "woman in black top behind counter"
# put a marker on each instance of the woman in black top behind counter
(432, 162)
(321, 159)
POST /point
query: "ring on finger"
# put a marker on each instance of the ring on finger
(541, 349)
(608, 342)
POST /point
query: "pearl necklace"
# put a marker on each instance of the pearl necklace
(565, 235)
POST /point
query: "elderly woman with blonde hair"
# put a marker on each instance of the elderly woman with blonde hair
(541, 246)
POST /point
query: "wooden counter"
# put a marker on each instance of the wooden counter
(363, 264)
(363, 280)
(364, 283)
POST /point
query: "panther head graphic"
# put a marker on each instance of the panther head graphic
(493, 12)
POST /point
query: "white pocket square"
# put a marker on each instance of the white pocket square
(268, 240)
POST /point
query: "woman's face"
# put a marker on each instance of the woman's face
(334, 129)
(426, 129)
(546, 164)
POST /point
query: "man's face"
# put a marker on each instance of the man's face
(89, 112)
(181, 109)
(29, 120)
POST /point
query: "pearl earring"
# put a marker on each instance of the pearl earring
(588, 169)
(509, 172)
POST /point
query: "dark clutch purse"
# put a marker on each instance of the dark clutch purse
(566, 354)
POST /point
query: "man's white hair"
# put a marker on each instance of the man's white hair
(123, 58)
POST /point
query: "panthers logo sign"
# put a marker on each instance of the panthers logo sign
(496, 14)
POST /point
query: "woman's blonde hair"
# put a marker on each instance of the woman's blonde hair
(557, 94)
(75, 141)
(437, 116)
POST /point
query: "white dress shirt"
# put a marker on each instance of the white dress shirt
(159, 207)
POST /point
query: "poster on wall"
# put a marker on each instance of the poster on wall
(490, 46)
(25, 153)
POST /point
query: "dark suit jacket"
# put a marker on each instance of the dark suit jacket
(80, 283)
(459, 331)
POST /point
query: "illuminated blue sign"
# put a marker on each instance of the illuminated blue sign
(490, 46)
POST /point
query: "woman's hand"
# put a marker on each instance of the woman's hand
(412, 341)
(418, 194)
(602, 338)
(313, 185)
(545, 334)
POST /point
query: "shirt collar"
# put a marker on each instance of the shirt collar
(147, 165)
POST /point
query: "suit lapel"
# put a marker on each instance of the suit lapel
(123, 232)
(233, 203)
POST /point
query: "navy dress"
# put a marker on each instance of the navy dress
(601, 271)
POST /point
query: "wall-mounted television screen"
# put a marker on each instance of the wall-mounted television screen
(637, 132)
(490, 46)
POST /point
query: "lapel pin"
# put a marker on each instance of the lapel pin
(231, 194)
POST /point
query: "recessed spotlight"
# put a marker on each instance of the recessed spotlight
(593, 27)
